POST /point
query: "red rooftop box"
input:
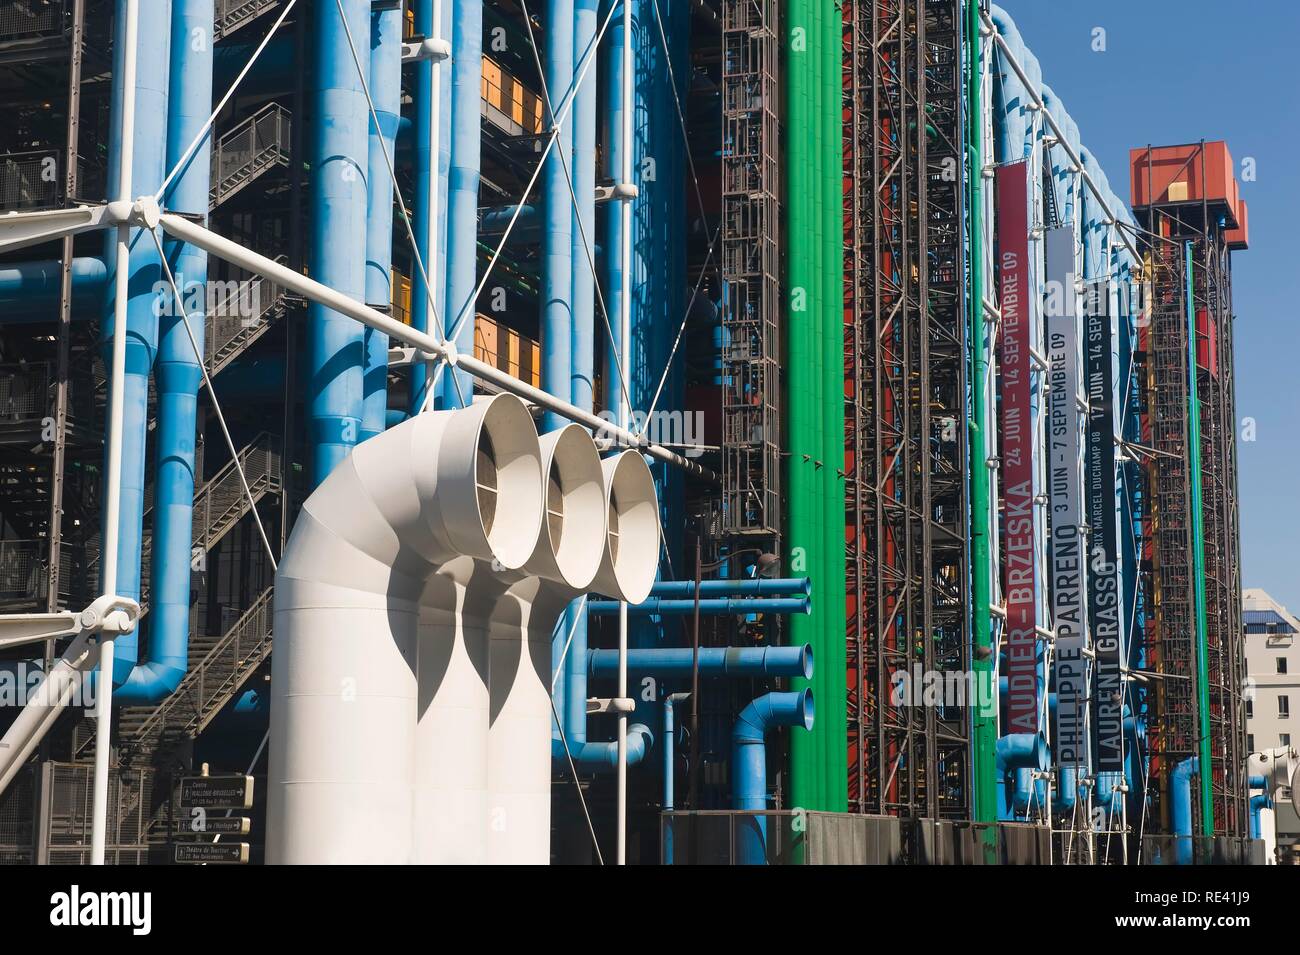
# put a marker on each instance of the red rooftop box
(1239, 238)
(1162, 175)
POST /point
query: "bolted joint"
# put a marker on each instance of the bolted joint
(432, 48)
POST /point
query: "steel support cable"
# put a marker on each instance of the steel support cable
(179, 303)
(577, 617)
(397, 191)
(573, 196)
(565, 105)
(1037, 100)
(577, 784)
(212, 118)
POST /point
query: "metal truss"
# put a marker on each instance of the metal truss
(908, 569)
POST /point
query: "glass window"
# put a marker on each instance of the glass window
(1283, 706)
(1281, 664)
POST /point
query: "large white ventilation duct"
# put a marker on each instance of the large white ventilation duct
(361, 562)
(601, 525)
(411, 714)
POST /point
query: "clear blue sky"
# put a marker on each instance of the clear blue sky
(1178, 71)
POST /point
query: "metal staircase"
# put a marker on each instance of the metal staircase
(244, 153)
(219, 667)
(219, 664)
(219, 503)
(234, 14)
(239, 316)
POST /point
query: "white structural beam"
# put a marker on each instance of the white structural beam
(236, 254)
(21, 229)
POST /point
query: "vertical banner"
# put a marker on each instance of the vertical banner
(1103, 568)
(1065, 500)
(1011, 184)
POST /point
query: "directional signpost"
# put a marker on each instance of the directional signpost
(200, 795)
(217, 792)
(211, 853)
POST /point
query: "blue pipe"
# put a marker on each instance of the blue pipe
(386, 90)
(1181, 796)
(177, 372)
(339, 159)
(1258, 803)
(494, 221)
(717, 605)
(1019, 756)
(669, 769)
(582, 338)
(557, 234)
(615, 148)
(714, 661)
(426, 188)
(749, 764)
(29, 291)
(149, 145)
(462, 190)
(766, 586)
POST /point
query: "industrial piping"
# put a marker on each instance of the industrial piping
(713, 661)
(656, 606)
(148, 153)
(462, 191)
(385, 84)
(177, 370)
(749, 764)
(626, 574)
(349, 597)
(339, 160)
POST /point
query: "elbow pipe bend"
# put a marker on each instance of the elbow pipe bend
(603, 757)
(749, 763)
(1182, 809)
(1021, 755)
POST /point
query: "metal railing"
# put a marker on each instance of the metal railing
(215, 677)
(233, 14)
(248, 150)
(32, 19)
(30, 180)
(25, 391)
(779, 837)
(24, 573)
(239, 312)
(221, 501)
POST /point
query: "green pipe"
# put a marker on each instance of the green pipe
(1198, 558)
(836, 692)
(984, 724)
(814, 383)
(801, 501)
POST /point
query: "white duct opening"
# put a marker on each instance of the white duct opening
(628, 566)
(411, 713)
(568, 554)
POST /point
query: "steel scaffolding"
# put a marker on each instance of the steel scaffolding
(751, 271)
(908, 569)
(1174, 720)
